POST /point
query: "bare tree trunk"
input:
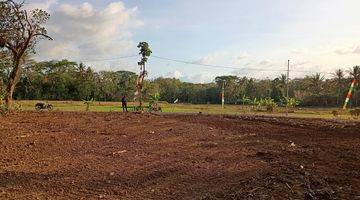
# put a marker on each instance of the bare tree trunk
(14, 75)
(140, 93)
(142, 76)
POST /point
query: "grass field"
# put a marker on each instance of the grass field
(325, 113)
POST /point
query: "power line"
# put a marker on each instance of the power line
(100, 60)
(230, 67)
(201, 64)
(109, 59)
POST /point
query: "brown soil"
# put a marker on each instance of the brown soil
(68, 155)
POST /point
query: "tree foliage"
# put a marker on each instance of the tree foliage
(19, 33)
(66, 80)
(145, 52)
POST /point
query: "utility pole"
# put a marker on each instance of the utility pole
(223, 95)
(287, 88)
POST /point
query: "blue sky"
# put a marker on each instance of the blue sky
(317, 36)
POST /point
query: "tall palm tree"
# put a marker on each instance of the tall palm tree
(316, 82)
(282, 81)
(355, 74)
(338, 78)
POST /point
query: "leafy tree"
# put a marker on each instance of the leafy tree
(338, 79)
(276, 90)
(169, 88)
(232, 88)
(19, 33)
(145, 52)
(355, 74)
(313, 85)
(282, 82)
(66, 80)
(127, 83)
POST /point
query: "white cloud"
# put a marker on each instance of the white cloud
(212, 58)
(242, 56)
(43, 5)
(81, 32)
(299, 51)
(300, 63)
(266, 62)
(348, 50)
(174, 74)
(199, 78)
(357, 50)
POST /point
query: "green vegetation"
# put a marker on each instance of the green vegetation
(267, 103)
(154, 102)
(65, 80)
(19, 32)
(191, 108)
(89, 103)
(145, 52)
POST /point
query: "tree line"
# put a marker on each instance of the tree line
(22, 78)
(66, 80)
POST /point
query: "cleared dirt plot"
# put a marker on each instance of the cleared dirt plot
(67, 155)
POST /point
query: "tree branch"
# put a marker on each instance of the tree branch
(44, 35)
(9, 46)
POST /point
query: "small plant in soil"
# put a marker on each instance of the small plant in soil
(267, 104)
(154, 103)
(291, 103)
(89, 103)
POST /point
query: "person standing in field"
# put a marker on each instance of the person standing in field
(124, 104)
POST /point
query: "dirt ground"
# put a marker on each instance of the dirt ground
(65, 155)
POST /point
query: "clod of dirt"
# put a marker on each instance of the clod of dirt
(119, 152)
(292, 144)
(208, 144)
(151, 132)
(30, 144)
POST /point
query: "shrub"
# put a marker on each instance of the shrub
(291, 102)
(267, 103)
(245, 100)
(89, 103)
(154, 102)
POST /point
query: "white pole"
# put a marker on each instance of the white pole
(223, 95)
(287, 88)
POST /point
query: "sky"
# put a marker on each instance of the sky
(253, 38)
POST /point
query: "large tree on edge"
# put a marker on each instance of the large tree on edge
(19, 33)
